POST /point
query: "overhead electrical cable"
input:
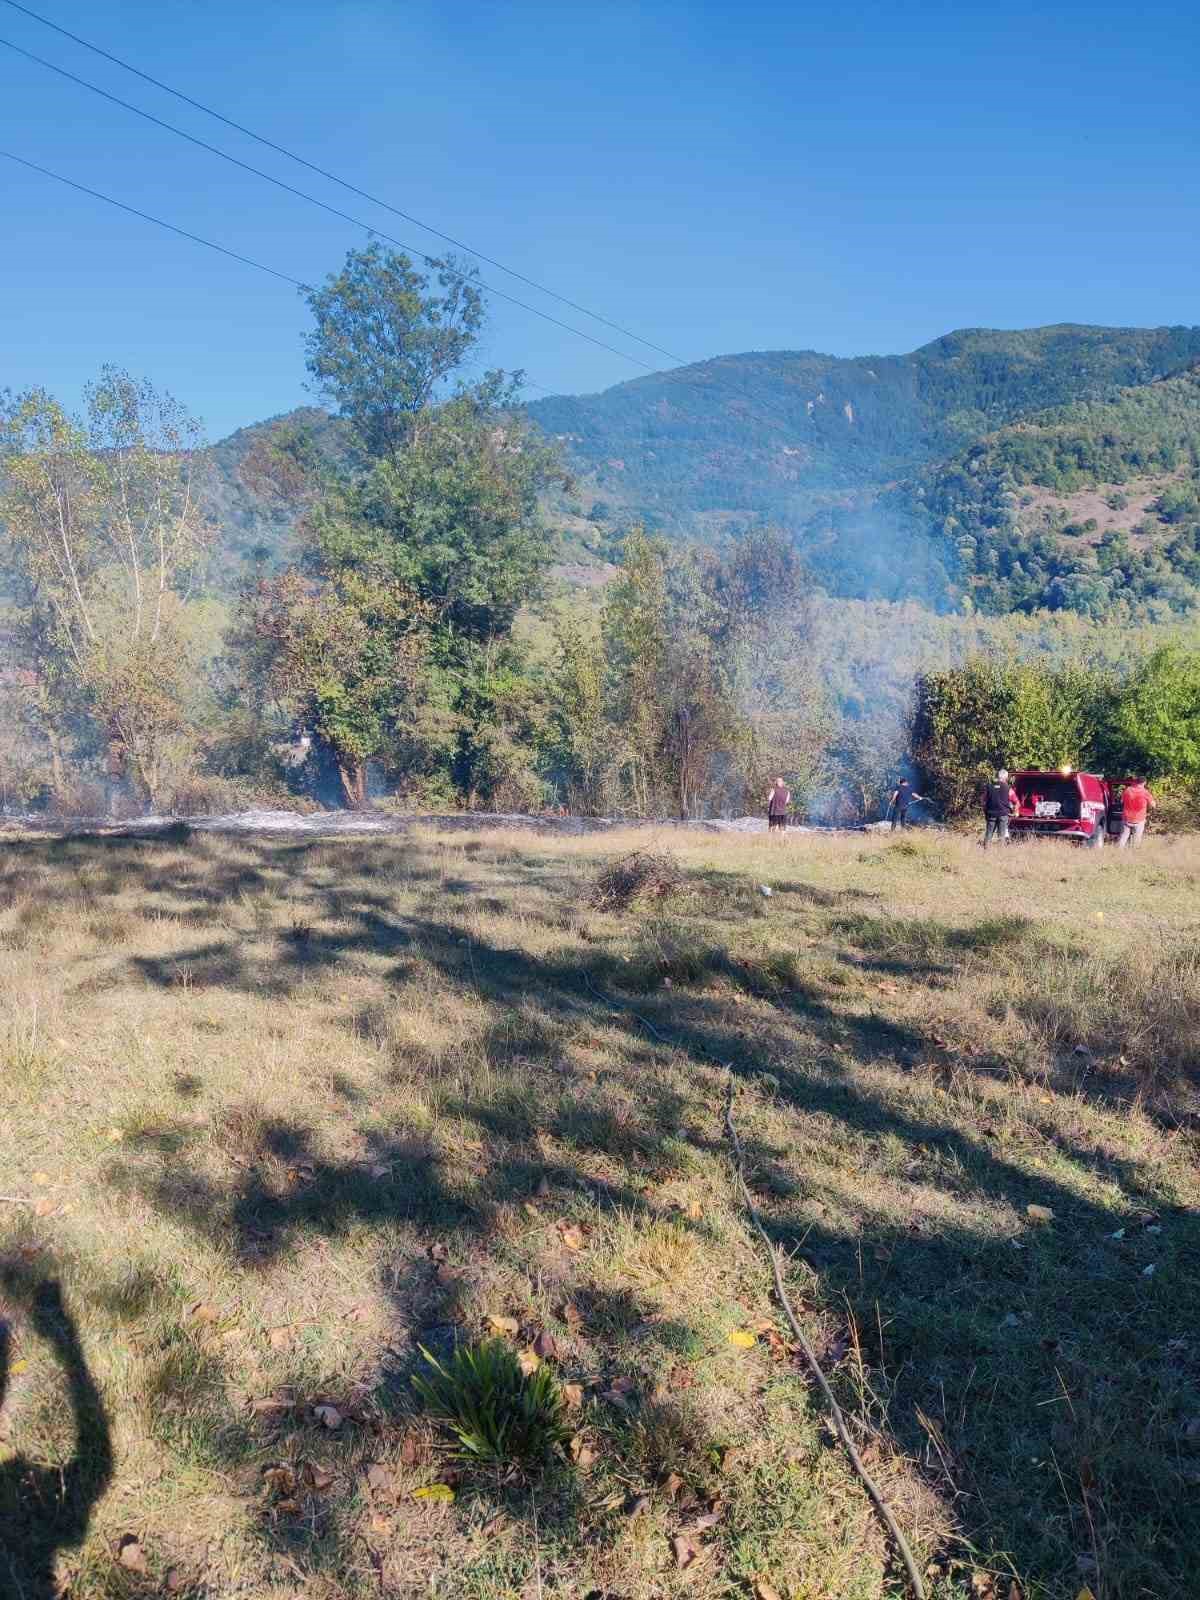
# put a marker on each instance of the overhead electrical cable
(332, 177)
(313, 200)
(732, 382)
(183, 233)
(108, 199)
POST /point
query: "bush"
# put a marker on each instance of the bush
(497, 1415)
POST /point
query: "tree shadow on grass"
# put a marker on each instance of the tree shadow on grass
(1059, 1376)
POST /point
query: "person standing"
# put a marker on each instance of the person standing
(778, 801)
(902, 797)
(999, 803)
(1136, 804)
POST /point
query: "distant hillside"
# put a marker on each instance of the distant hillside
(257, 485)
(781, 434)
(986, 467)
(1079, 506)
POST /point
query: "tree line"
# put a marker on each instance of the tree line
(416, 649)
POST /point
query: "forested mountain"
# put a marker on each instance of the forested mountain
(779, 434)
(987, 467)
(1084, 507)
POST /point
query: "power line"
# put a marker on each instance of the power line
(270, 144)
(756, 400)
(301, 194)
(323, 172)
(195, 238)
(108, 199)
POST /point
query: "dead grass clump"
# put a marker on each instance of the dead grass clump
(640, 875)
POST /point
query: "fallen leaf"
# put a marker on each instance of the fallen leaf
(496, 1525)
(279, 1478)
(764, 1590)
(273, 1403)
(379, 1169)
(743, 1339)
(287, 1507)
(41, 1179)
(473, 1144)
(436, 1493)
(44, 1208)
(412, 1450)
(686, 1551)
(202, 1311)
(329, 1416)
(672, 1484)
(317, 1478)
(17, 1368)
(279, 1338)
(530, 1210)
(508, 1325)
(573, 1395)
(546, 1346)
(573, 1237)
(382, 1526)
(175, 1580)
(1148, 1272)
(116, 1135)
(543, 1189)
(445, 1275)
(709, 1519)
(438, 1252)
(1085, 1593)
(1039, 1213)
(582, 1453)
(130, 1553)
(379, 1478)
(529, 1361)
(570, 1314)
(637, 1506)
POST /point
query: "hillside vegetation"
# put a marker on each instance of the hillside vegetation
(1079, 507)
(896, 474)
(776, 434)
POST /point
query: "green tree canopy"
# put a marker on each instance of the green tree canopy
(385, 340)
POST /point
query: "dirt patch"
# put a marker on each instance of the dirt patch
(1042, 508)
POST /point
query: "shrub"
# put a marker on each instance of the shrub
(497, 1415)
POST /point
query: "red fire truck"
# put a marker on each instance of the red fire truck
(1064, 804)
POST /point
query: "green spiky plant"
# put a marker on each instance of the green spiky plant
(497, 1415)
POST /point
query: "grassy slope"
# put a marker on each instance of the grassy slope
(249, 1086)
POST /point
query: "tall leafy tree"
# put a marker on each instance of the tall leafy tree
(103, 538)
(454, 513)
(385, 339)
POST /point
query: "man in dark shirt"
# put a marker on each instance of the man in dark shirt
(778, 801)
(999, 803)
(902, 798)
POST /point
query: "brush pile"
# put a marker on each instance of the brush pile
(642, 874)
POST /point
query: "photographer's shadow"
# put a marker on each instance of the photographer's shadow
(45, 1508)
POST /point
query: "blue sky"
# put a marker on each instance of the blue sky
(716, 177)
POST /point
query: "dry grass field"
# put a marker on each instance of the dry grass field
(277, 1114)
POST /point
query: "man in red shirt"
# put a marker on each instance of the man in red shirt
(1136, 805)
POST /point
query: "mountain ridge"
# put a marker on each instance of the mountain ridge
(835, 449)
